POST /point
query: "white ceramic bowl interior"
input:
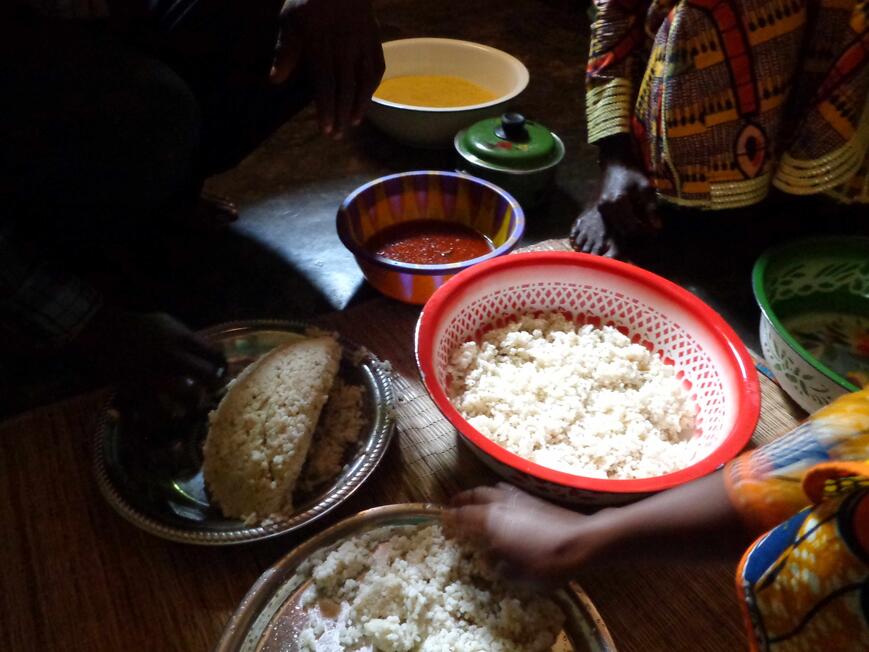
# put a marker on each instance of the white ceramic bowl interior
(501, 73)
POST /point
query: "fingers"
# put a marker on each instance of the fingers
(178, 396)
(596, 246)
(592, 232)
(345, 95)
(372, 69)
(203, 362)
(470, 521)
(323, 74)
(575, 232)
(515, 496)
(199, 347)
(484, 512)
(579, 239)
(184, 390)
(155, 405)
(184, 364)
(479, 513)
(478, 496)
(288, 55)
(362, 95)
(612, 249)
(361, 69)
(344, 58)
(181, 353)
(586, 230)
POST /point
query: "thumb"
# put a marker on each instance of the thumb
(287, 58)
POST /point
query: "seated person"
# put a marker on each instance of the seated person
(803, 583)
(710, 105)
(119, 110)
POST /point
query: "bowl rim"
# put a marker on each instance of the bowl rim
(748, 397)
(758, 278)
(433, 270)
(521, 68)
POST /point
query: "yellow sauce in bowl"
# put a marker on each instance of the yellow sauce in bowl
(436, 91)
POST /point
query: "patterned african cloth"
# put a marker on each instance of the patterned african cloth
(726, 98)
(804, 585)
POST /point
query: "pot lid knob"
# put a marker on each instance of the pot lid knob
(512, 127)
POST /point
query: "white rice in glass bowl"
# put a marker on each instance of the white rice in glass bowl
(575, 398)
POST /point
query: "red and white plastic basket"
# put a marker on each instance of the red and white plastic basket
(711, 361)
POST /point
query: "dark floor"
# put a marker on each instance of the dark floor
(282, 259)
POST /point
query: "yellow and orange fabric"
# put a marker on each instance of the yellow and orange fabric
(726, 98)
(805, 583)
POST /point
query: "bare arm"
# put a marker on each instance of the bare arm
(535, 540)
(716, 516)
(694, 521)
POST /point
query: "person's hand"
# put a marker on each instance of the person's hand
(339, 44)
(152, 359)
(130, 346)
(529, 539)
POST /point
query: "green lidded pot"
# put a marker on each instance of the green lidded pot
(518, 155)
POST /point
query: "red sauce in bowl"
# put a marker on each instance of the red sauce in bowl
(429, 242)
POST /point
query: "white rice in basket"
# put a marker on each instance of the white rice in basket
(579, 399)
(411, 589)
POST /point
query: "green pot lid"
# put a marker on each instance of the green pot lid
(510, 143)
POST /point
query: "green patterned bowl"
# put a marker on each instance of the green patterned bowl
(814, 327)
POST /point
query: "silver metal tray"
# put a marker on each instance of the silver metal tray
(270, 615)
(163, 492)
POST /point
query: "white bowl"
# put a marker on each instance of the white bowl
(421, 126)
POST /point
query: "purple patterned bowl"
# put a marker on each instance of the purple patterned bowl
(425, 195)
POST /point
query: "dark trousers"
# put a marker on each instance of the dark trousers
(110, 127)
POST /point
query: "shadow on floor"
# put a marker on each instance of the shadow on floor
(712, 254)
(223, 277)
